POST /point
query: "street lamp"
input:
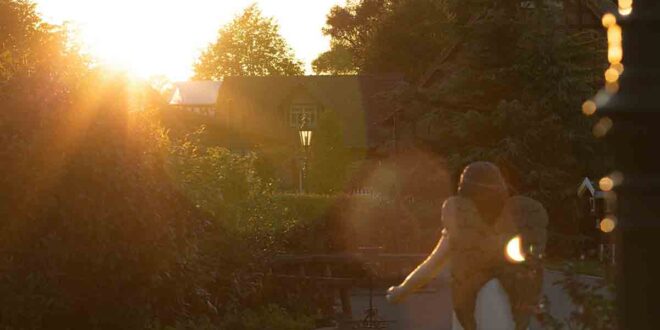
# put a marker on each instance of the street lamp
(305, 134)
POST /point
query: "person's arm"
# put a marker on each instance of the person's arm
(424, 273)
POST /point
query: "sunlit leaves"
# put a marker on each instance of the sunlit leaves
(250, 45)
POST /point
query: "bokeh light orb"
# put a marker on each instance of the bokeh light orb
(606, 184)
(607, 225)
(611, 75)
(514, 250)
(602, 127)
(608, 20)
(589, 107)
(625, 7)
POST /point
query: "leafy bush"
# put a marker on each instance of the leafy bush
(340, 223)
(276, 317)
(94, 234)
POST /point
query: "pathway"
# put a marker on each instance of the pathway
(431, 309)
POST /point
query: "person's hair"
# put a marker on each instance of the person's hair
(483, 183)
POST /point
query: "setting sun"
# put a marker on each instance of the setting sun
(149, 37)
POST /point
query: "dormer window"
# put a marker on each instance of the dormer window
(300, 111)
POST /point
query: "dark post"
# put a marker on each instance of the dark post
(634, 141)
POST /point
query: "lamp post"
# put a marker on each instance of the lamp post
(629, 123)
(305, 134)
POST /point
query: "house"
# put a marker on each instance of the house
(250, 113)
(196, 96)
(262, 111)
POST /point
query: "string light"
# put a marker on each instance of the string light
(614, 54)
(602, 127)
(608, 224)
(614, 35)
(618, 67)
(589, 107)
(606, 184)
(608, 20)
(625, 7)
(612, 88)
(611, 75)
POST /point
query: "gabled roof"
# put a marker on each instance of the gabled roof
(359, 100)
(588, 186)
(195, 93)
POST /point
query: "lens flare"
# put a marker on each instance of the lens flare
(514, 250)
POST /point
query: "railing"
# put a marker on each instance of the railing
(338, 274)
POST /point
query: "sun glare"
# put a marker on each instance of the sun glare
(151, 37)
(514, 250)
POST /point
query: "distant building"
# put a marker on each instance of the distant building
(196, 96)
(269, 110)
(265, 114)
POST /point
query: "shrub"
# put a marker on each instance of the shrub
(276, 317)
(94, 234)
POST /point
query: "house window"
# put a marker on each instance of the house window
(298, 112)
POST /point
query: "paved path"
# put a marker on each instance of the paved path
(432, 310)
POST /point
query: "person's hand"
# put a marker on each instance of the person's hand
(395, 295)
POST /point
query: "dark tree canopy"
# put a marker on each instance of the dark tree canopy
(250, 45)
(507, 83)
(338, 61)
(385, 36)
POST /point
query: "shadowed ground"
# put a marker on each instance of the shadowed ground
(431, 309)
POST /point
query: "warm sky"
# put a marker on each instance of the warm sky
(152, 37)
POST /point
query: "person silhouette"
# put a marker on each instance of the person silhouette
(490, 289)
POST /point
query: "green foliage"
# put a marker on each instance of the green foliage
(248, 46)
(337, 61)
(342, 223)
(509, 92)
(402, 36)
(32, 48)
(96, 230)
(93, 233)
(520, 109)
(350, 28)
(593, 299)
(318, 225)
(275, 317)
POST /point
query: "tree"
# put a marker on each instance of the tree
(337, 61)
(402, 36)
(509, 89)
(250, 45)
(350, 29)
